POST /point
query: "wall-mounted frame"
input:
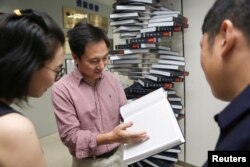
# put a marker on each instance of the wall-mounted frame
(69, 65)
(98, 21)
(72, 16)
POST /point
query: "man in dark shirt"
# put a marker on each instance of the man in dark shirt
(225, 59)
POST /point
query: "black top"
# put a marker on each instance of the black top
(234, 123)
(5, 109)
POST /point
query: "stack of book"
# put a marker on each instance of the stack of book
(144, 24)
(145, 56)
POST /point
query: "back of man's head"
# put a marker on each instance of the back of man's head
(237, 11)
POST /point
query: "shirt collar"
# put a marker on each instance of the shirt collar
(237, 108)
(79, 77)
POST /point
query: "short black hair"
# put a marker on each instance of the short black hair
(83, 34)
(237, 11)
(27, 41)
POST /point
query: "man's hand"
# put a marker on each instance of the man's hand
(120, 134)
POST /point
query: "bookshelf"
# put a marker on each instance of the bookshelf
(144, 32)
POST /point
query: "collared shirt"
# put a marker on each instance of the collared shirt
(83, 111)
(234, 123)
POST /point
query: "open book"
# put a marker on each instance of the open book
(151, 113)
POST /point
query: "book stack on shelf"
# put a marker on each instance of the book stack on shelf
(145, 55)
(146, 27)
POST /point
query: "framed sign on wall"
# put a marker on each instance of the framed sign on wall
(98, 21)
(72, 16)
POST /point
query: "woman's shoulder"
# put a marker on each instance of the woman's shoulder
(15, 122)
(18, 138)
(16, 130)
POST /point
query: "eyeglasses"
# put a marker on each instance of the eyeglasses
(59, 73)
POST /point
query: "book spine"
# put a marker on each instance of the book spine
(143, 40)
(179, 74)
(169, 79)
(135, 46)
(157, 34)
(122, 46)
(177, 29)
(133, 95)
(168, 85)
(129, 46)
(139, 91)
(117, 52)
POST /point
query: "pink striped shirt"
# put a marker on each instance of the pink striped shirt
(82, 111)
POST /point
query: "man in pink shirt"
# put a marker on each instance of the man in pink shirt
(86, 103)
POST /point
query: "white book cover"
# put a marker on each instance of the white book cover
(161, 24)
(160, 47)
(148, 29)
(172, 57)
(151, 113)
(131, 51)
(157, 20)
(121, 57)
(143, 1)
(123, 22)
(166, 15)
(130, 7)
(160, 72)
(174, 53)
(124, 15)
(172, 62)
(127, 28)
(167, 66)
(166, 12)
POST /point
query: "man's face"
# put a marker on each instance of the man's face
(211, 65)
(93, 61)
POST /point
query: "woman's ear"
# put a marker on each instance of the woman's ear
(228, 37)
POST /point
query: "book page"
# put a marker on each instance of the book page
(137, 105)
(156, 117)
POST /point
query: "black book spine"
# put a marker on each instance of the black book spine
(169, 79)
(143, 40)
(165, 85)
(126, 46)
(164, 28)
(164, 79)
(157, 34)
(139, 91)
(118, 52)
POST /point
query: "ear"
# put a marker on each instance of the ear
(75, 58)
(228, 37)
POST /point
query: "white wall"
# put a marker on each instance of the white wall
(201, 130)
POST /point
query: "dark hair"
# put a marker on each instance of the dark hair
(237, 11)
(27, 40)
(83, 34)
